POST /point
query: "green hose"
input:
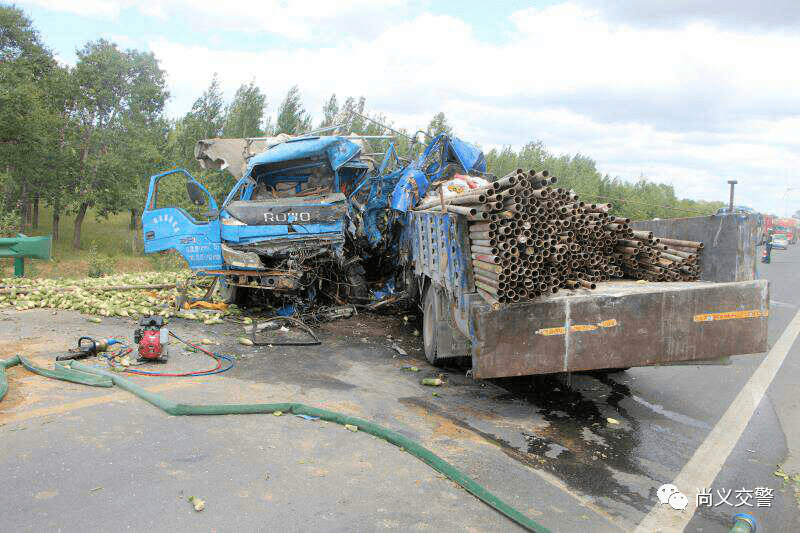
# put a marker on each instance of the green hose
(79, 373)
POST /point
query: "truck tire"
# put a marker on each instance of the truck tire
(429, 324)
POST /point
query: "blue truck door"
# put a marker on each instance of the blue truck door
(172, 227)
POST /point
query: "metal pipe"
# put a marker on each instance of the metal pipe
(483, 226)
(487, 258)
(491, 300)
(493, 283)
(486, 266)
(482, 234)
(686, 244)
(490, 250)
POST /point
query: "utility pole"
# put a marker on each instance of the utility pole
(786, 199)
(733, 184)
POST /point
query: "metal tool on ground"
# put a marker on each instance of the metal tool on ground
(275, 324)
(87, 347)
(151, 338)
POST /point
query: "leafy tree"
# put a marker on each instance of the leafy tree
(119, 111)
(642, 199)
(25, 113)
(439, 124)
(205, 121)
(350, 113)
(245, 114)
(330, 110)
(292, 116)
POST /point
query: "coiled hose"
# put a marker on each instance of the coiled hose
(89, 375)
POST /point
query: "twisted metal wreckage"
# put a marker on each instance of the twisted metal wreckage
(310, 219)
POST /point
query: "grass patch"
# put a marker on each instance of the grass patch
(107, 246)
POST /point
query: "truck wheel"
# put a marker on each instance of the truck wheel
(429, 320)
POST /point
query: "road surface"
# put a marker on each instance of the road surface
(579, 453)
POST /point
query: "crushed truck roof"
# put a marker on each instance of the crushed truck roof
(337, 150)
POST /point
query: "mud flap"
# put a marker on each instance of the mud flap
(450, 341)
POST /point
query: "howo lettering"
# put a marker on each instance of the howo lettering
(287, 217)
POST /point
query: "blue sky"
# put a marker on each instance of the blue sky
(691, 93)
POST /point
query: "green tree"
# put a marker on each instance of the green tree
(350, 113)
(204, 121)
(119, 107)
(330, 110)
(245, 114)
(439, 124)
(292, 116)
(26, 116)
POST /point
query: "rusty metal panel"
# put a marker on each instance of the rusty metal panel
(621, 324)
(730, 251)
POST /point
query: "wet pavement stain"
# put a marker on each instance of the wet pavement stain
(580, 445)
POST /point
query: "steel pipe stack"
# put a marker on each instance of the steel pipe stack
(530, 239)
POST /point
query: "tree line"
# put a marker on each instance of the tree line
(90, 135)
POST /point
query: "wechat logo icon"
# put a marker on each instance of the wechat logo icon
(671, 495)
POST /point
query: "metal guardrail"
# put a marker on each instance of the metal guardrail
(22, 246)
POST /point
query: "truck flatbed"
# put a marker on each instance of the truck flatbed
(620, 324)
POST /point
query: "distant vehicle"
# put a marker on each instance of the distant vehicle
(786, 226)
(780, 242)
(737, 210)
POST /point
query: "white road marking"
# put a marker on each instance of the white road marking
(710, 456)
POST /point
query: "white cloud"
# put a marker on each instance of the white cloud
(292, 19)
(88, 8)
(693, 104)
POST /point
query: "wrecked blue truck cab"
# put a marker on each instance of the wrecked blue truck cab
(281, 227)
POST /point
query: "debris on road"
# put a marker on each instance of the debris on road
(124, 295)
(398, 349)
(351, 427)
(197, 503)
(245, 341)
(432, 382)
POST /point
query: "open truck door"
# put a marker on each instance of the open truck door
(167, 224)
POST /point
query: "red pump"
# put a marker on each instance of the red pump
(151, 337)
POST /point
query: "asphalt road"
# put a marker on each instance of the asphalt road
(73, 458)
